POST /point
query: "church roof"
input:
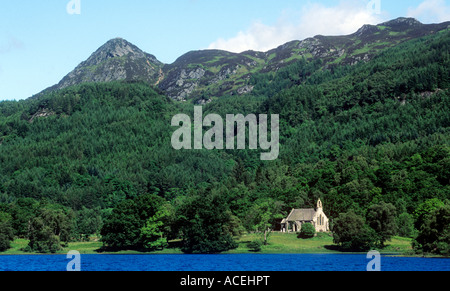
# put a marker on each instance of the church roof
(301, 215)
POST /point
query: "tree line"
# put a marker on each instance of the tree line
(372, 141)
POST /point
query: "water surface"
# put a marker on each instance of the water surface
(228, 262)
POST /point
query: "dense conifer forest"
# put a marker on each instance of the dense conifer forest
(371, 140)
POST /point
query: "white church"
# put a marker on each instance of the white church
(297, 217)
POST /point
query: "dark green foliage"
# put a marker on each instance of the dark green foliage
(352, 234)
(263, 216)
(255, 245)
(6, 231)
(153, 234)
(307, 231)
(22, 211)
(49, 228)
(434, 234)
(122, 229)
(424, 210)
(405, 223)
(204, 223)
(367, 106)
(294, 74)
(354, 136)
(89, 221)
(382, 218)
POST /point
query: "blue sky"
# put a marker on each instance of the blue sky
(40, 42)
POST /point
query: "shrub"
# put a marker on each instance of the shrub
(6, 231)
(405, 223)
(255, 246)
(434, 235)
(307, 231)
(351, 234)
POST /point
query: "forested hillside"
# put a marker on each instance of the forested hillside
(97, 159)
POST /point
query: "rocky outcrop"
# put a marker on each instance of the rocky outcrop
(200, 75)
(42, 113)
(117, 60)
(182, 83)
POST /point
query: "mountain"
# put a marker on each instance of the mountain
(218, 73)
(116, 60)
(199, 75)
(356, 136)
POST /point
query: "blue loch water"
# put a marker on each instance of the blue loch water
(234, 262)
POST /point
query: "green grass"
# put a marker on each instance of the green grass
(398, 244)
(271, 57)
(83, 247)
(396, 33)
(288, 243)
(340, 59)
(279, 243)
(214, 60)
(16, 245)
(371, 48)
(216, 69)
(363, 50)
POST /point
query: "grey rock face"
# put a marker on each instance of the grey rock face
(245, 90)
(200, 75)
(117, 60)
(183, 84)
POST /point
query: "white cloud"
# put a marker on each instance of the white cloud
(431, 11)
(345, 18)
(259, 37)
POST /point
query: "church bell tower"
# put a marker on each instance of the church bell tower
(319, 204)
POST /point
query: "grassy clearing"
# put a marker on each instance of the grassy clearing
(279, 243)
(83, 247)
(288, 243)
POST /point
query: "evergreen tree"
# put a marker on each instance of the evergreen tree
(203, 221)
(6, 231)
(434, 234)
(382, 219)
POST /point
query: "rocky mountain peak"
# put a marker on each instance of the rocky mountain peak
(115, 48)
(366, 29)
(199, 74)
(402, 21)
(116, 60)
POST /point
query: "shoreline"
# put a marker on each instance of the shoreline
(126, 253)
(279, 243)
